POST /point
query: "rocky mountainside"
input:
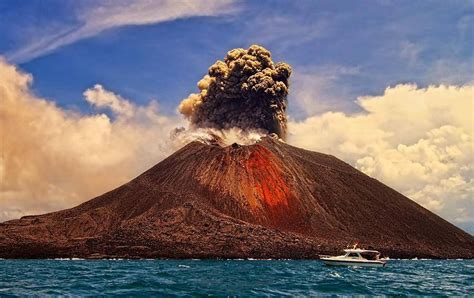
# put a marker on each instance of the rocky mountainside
(267, 200)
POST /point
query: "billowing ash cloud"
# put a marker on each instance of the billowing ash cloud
(246, 90)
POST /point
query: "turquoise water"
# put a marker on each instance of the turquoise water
(222, 278)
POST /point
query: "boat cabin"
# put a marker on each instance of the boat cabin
(358, 253)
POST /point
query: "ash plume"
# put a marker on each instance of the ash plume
(247, 91)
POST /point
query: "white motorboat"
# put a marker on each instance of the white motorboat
(355, 257)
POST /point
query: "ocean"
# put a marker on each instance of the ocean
(233, 277)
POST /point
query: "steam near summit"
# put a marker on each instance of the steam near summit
(247, 90)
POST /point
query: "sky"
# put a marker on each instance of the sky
(90, 88)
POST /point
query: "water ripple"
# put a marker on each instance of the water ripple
(224, 278)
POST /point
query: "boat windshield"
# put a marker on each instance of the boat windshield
(353, 255)
(370, 256)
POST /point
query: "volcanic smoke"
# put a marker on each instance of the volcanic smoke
(247, 91)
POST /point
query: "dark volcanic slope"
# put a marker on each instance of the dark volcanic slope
(268, 200)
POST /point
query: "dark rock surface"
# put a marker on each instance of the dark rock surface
(267, 200)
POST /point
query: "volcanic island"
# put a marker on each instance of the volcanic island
(263, 200)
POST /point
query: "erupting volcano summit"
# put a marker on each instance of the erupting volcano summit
(246, 90)
(264, 200)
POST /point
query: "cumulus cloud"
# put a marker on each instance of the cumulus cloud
(96, 17)
(246, 90)
(53, 158)
(417, 140)
(101, 98)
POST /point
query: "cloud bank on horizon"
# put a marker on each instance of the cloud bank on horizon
(54, 158)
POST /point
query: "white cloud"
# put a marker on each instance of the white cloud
(417, 140)
(95, 19)
(101, 98)
(53, 158)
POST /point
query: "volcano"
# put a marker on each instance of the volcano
(266, 200)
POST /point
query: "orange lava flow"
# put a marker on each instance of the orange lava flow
(269, 184)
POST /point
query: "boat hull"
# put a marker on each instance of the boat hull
(353, 263)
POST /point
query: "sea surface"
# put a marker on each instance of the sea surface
(233, 277)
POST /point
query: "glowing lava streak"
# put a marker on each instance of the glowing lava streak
(269, 183)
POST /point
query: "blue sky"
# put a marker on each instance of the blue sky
(345, 55)
(353, 48)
